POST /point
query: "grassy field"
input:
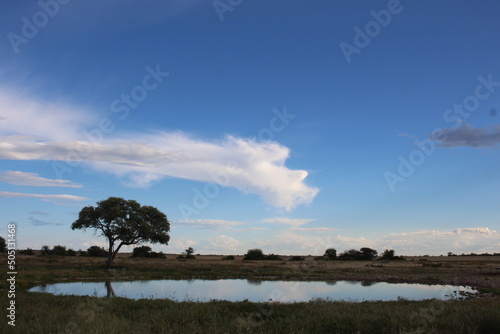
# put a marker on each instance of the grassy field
(44, 313)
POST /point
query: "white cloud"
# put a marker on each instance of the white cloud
(208, 224)
(32, 179)
(313, 229)
(43, 197)
(475, 230)
(40, 120)
(66, 135)
(180, 245)
(294, 222)
(297, 223)
(224, 243)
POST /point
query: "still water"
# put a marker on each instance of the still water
(255, 290)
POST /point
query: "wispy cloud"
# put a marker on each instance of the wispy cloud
(475, 230)
(39, 213)
(208, 224)
(257, 167)
(468, 135)
(37, 222)
(32, 179)
(42, 196)
(296, 224)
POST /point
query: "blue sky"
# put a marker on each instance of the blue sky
(289, 126)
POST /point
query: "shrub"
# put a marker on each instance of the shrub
(96, 251)
(320, 258)
(272, 257)
(45, 250)
(189, 253)
(229, 257)
(350, 254)
(297, 258)
(388, 254)
(71, 252)
(145, 251)
(59, 250)
(254, 254)
(331, 253)
(368, 254)
(364, 253)
(27, 251)
(257, 254)
(142, 251)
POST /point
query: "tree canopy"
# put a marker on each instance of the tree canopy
(331, 253)
(124, 222)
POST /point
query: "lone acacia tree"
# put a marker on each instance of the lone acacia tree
(124, 222)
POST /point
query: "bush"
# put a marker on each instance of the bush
(71, 252)
(45, 251)
(389, 254)
(188, 254)
(257, 254)
(59, 250)
(368, 253)
(142, 251)
(320, 258)
(350, 254)
(364, 253)
(27, 251)
(254, 254)
(96, 251)
(145, 251)
(297, 258)
(272, 257)
(331, 253)
(229, 257)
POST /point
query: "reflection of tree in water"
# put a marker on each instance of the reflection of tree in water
(367, 283)
(331, 282)
(190, 280)
(109, 290)
(254, 281)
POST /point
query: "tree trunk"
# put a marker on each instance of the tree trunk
(110, 253)
(113, 254)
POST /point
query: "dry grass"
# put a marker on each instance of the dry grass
(44, 313)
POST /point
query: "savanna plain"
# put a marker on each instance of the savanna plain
(47, 313)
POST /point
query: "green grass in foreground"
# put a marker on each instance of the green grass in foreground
(44, 313)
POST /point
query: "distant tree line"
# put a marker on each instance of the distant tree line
(363, 254)
(93, 251)
(474, 254)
